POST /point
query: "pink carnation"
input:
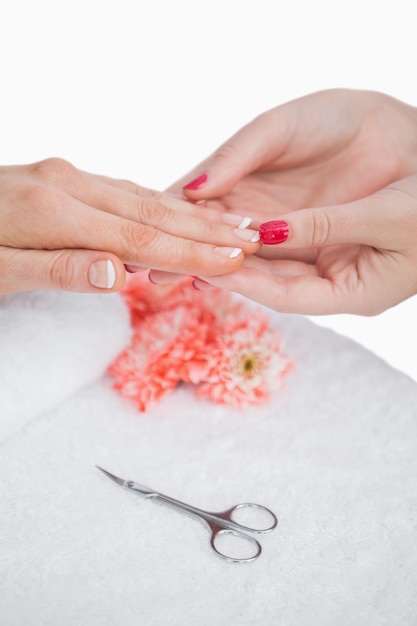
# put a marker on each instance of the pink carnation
(247, 364)
(206, 338)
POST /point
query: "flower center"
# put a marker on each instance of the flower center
(248, 364)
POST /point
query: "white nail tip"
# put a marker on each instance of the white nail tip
(255, 238)
(111, 274)
(245, 223)
(235, 252)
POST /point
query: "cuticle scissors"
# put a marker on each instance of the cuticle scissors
(219, 524)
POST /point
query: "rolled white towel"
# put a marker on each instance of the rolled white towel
(51, 345)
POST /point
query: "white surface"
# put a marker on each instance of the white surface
(144, 90)
(333, 454)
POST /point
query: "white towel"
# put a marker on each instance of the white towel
(51, 345)
(333, 454)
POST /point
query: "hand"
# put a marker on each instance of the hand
(326, 148)
(366, 260)
(61, 228)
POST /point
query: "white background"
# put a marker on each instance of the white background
(145, 89)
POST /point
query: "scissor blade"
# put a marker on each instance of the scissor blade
(116, 479)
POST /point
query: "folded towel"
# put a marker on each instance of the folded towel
(333, 454)
(52, 344)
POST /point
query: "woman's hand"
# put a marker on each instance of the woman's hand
(326, 148)
(338, 153)
(365, 257)
(61, 228)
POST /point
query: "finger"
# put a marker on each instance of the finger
(256, 144)
(301, 294)
(384, 220)
(283, 268)
(64, 175)
(144, 206)
(256, 269)
(126, 199)
(122, 197)
(81, 271)
(175, 216)
(63, 222)
(164, 278)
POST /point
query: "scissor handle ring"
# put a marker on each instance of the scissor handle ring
(242, 536)
(252, 505)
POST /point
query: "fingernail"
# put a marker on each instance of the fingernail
(230, 253)
(247, 234)
(236, 220)
(200, 279)
(102, 274)
(196, 183)
(273, 232)
(132, 269)
(201, 285)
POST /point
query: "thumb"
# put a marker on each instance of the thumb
(243, 153)
(84, 271)
(377, 221)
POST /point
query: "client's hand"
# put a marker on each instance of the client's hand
(61, 228)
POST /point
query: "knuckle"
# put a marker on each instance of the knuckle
(320, 228)
(226, 152)
(144, 192)
(187, 255)
(136, 237)
(63, 271)
(36, 195)
(137, 190)
(153, 210)
(54, 169)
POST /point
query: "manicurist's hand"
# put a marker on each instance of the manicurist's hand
(62, 228)
(322, 169)
(365, 257)
(326, 148)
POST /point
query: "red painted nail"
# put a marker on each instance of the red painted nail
(197, 183)
(273, 232)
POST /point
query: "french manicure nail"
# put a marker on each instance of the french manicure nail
(247, 234)
(102, 274)
(273, 232)
(230, 253)
(196, 183)
(236, 220)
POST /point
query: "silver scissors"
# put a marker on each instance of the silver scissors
(220, 524)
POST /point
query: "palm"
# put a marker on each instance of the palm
(345, 156)
(327, 148)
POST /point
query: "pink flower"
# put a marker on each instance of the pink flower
(168, 347)
(247, 364)
(206, 338)
(144, 298)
